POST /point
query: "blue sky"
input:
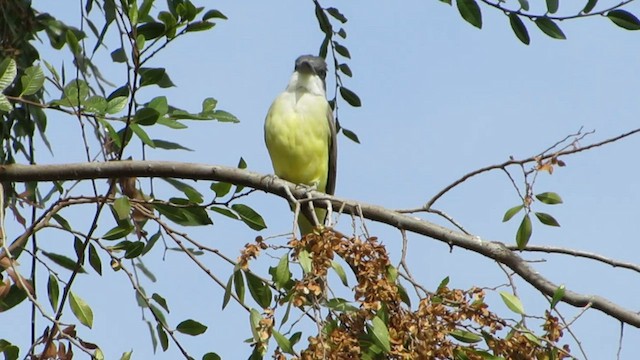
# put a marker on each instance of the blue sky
(440, 99)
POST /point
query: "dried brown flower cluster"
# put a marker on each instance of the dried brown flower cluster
(447, 324)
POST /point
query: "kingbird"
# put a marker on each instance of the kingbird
(300, 133)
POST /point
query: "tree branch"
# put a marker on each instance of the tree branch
(491, 249)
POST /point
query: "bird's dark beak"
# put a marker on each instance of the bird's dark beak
(305, 68)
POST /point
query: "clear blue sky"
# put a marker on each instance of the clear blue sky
(440, 98)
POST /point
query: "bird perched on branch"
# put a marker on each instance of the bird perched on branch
(300, 133)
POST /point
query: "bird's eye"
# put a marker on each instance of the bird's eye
(322, 74)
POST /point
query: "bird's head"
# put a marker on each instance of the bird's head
(309, 75)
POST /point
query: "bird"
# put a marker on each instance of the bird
(300, 133)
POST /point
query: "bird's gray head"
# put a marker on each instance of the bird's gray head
(309, 64)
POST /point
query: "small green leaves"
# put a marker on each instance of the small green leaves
(547, 219)
(81, 310)
(550, 28)
(511, 212)
(624, 19)
(251, 218)
(470, 12)
(380, 333)
(519, 29)
(282, 275)
(155, 76)
(211, 356)
(552, 6)
(465, 336)
(186, 216)
(524, 4)
(524, 232)
(513, 303)
(53, 291)
(351, 135)
(214, 14)
(340, 272)
(305, 261)
(590, 5)
(8, 72)
(350, 97)
(283, 343)
(259, 290)
(32, 80)
(549, 198)
(557, 296)
(63, 261)
(191, 327)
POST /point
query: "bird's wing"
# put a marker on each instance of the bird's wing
(333, 154)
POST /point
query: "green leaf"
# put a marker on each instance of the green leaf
(305, 261)
(465, 336)
(226, 212)
(282, 275)
(151, 30)
(32, 80)
(126, 355)
(227, 292)
(53, 292)
(350, 97)
(519, 29)
(224, 116)
(155, 76)
(336, 14)
(168, 145)
(342, 50)
(513, 303)
(549, 198)
(238, 285)
(345, 69)
(351, 135)
(96, 104)
(340, 272)
(552, 6)
(511, 212)
(81, 310)
(524, 4)
(211, 356)
(119, 55)
(5, 105)
(254, 321)
(134, 249)
(550, 28)
(524, 232)
(341, 305)
(557, 296)
(213, 14)
(283, 343)
(590, 5)
(221, 188)
(118, 232)
(122, 206)
(624, 19)
(199, 26)
(63, 261)
(141, 134)
(323, 20)
(76, 89)
(146, 116)
(164, 339)
(116, 104)
(404, 296)
(191, 327)
(259, 290)
(160, 104)
(189, 191)
(8, 72)
(380, 334)
(470, 12)
(251, 218)
(187, 216)
(94, 259)
(547, 219)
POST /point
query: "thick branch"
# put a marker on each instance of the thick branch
(491, 249)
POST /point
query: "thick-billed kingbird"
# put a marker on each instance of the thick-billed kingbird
(300, 132)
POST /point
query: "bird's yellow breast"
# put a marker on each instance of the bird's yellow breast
(297, 135)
